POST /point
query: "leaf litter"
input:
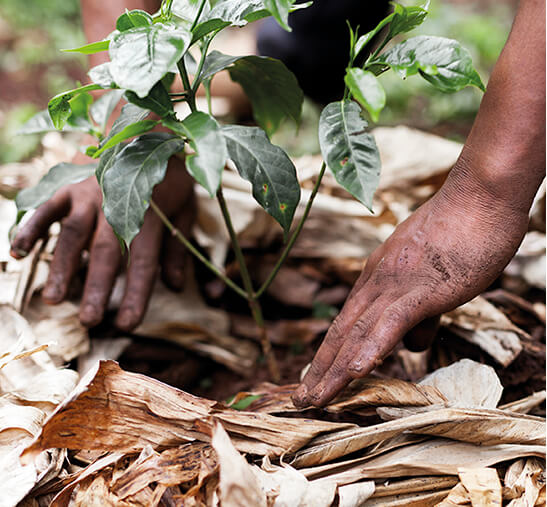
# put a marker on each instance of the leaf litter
(105, 436)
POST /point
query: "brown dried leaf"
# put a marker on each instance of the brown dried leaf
(483, 486)
(481, 323)
(416, 485)
(426, 499)
(458, 496)
(480, 426)
(238, 484)
(355, 494)
(170, 468)
(524, 405)
(130, 411)
(185, 319)
(376, 392)
(523, 482)
(60, 322)
(436, 456)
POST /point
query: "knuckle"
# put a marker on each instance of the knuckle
(103, 247)
(73, 226)
(143, 263)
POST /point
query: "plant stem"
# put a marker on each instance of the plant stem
(207, 86)
(254, 305)
(186, 82)
(295, 234)
(178, 234)
(198, 15)
(204, 49)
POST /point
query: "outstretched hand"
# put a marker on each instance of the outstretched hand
(84, 226)
(447, 252)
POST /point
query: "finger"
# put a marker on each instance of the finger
(338, 376)
(76, 230)
(37, 226)
(421, 336)
(337, 334)
(104, 261)
(394, 323)
(175, 252)
(141, 274)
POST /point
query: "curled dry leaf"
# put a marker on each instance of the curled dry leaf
(376, 392)
(525, 405)
(483, 486)
(113, 410)
(479, 426)
(437, 456)
(355, 494)
(422, 499)
(482, 324)
(185, 319)
(524, 481)
(238, 484)
(169, 468)
(457, 496)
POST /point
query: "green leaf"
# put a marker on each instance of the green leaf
(100, 75)
(106, 161)
(236, 12)
(133, 19)
(206, 139)
(246, 402)
(91, 150)
(406, 19)
(367, 90)
(272, 89)
(157, 100)
(59, 106)
(128, 183)
(141, 56)
(205, 28)
(280, 11)
(188, 9)
(79, 106)
(350, 153)
(216, 62)
(41, 123)
(102, 108)
(130, 114)
(268, 168)
(442, 62)
(90, 49)
(365, 39)
(58, 176)
(135, 129)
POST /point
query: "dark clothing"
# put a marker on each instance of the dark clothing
(317, 49)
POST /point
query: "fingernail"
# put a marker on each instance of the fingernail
(300, 396)
(88, 314)
(125, 320)
(18, 252)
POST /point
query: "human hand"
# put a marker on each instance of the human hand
(84, 226)
(447, 252)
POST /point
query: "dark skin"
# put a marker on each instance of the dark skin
(446, 253)
(84, 226)
(456, 244)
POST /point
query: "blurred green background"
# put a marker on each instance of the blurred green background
(32, 69)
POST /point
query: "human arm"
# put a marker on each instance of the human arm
(456, 244)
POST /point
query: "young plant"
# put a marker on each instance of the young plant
(147, 50)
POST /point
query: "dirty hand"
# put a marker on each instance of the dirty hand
(84, 226)
(447, 252)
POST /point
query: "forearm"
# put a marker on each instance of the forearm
(504, 154)
(99, 19)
